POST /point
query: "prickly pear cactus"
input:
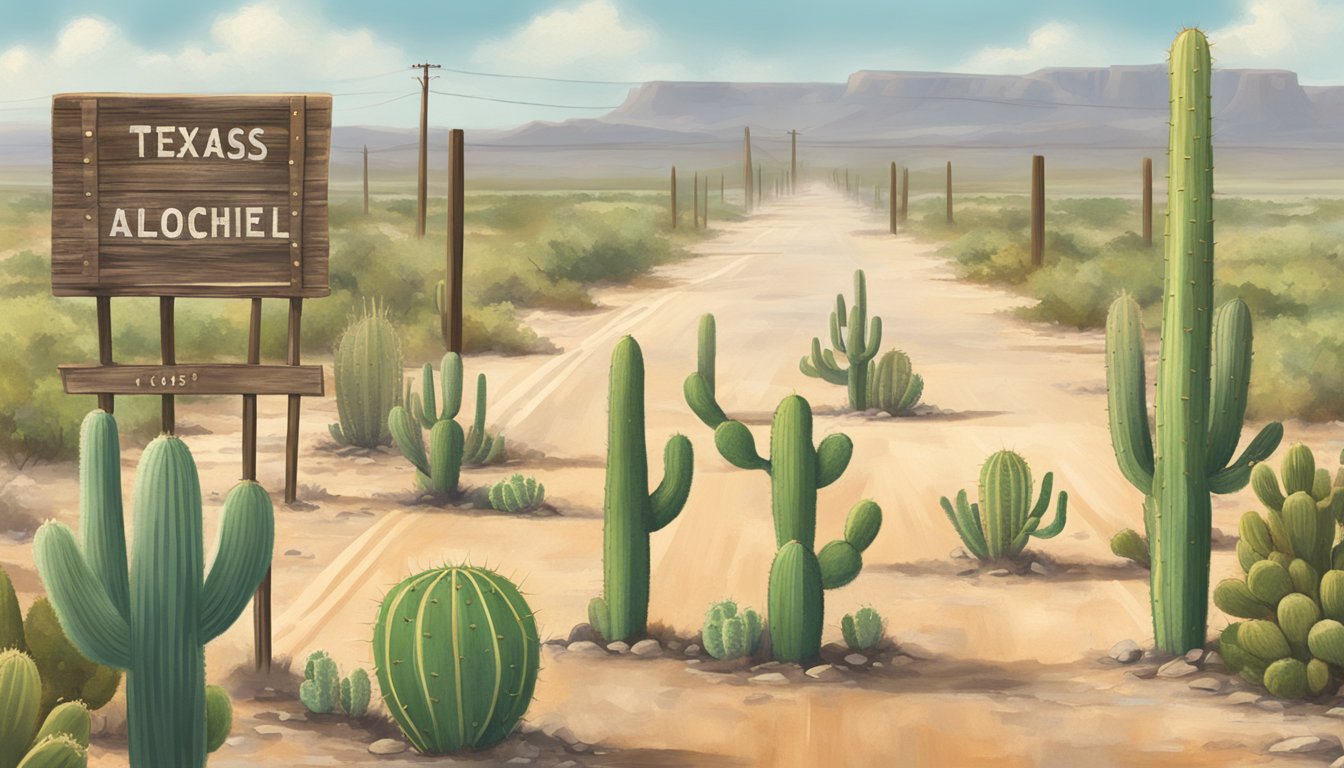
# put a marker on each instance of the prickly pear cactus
(728, 634)
(854, 337)
(368, 379)
(862, 629)
(456, 655)
(1292, 593)
(321, 686)
(1001, 524)
(355, 693)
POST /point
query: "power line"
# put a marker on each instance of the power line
(544, 79)
(511, 101)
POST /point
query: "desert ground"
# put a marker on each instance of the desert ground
(1011, 668)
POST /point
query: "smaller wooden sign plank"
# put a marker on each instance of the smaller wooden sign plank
(212, 379)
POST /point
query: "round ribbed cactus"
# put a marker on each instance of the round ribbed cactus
(893, 385)
(456, 654)
(728, 634)
(516, 494)
(368, 379)
(999, 526)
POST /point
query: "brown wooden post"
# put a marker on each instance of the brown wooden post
(748, 194)
(704, 214)
(905, 193)
(949, 193)
(695, 200)
(168, 351)
(292, 434)
(1148, 201)
(891, 204)
(1037, 210)
(793, 162)
(105, 402)
(261, 601)
(674, 197)
(366, 179)
(450, 314)
(846, 181)
(760, 186)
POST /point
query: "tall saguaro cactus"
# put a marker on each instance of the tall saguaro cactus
(855, 337)
(630, 512)
(154, 619)
(1202, 378)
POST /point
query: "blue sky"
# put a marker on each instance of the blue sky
(360, 50)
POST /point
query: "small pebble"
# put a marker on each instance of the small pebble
(823, 672)
(856, 659)
(1176, 668)
(770, 678)
(1270, 705)
(998, 572)
(585, 646)
(1301, 745)
(618, 647)
(646, 648)
(387, 747)
(1040, 570)
(1210, 684)
(1246, 697)
(692, 650)
(1126, 652)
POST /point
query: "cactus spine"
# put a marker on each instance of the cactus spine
(456, 654)
(1200, 405)
(368, 379)
(798, 574)
(999, 526)
(630, 512)
(157, 629)
(849, 338)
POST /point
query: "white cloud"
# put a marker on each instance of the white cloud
(1284, 34)
(263, 46)
(1053, 44)
(591, 39)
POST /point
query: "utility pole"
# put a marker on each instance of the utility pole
(450, 303)
(891, 214)
(905, 193)
(366, 179)
(760, 185)
(1037, 210)
(424, 147)
(949, 193)
(695, 201)
(793, 161)
(674, 197)
(747, 177)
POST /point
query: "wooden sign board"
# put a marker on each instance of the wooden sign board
(168, 195)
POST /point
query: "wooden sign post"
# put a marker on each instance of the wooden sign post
(201, 197)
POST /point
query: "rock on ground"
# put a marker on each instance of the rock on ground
(387, 747)
(1126, 652)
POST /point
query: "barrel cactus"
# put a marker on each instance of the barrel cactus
(862, 629)
(159, 636)
(1001, 524)
(728, 634)
(1292, 591)
(368, 379)
(516, 494)
(59, 740)
(893, 386)
(854, 337)
(456, 654)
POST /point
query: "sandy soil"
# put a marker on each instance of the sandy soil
(1011, 668)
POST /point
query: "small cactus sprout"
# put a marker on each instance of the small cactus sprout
(321, 684)
(456, 654)
(1292, 594)
(1132, 546)
(862, 629)
(999, 526)
(854, 337)
(893, 386)
(218, 717)
(355, 693)
(368, 379)
(728, 634)
(516, 494)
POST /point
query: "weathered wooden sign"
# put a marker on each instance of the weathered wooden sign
(158, 195)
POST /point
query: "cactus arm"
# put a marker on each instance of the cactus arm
(81, 601)
(1043, 503)
(450, 368)
(840, 563)
(445, 456)
(408, 438)
(479, 417)
(1235, 476)
(874, 340)
(1061, 516)
(833, 455)
(1230, 378)
(965, 518)
(1126, 392)
(429, 401)
(699, 395)
(102, 526)
(667, 500)
(838, 324)
(246, 538)
(736, 444)
(706, 351)
(823, 365)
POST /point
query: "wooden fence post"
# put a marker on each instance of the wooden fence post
(949, 193)
(674, 197)
(1037, 210)
(450, 313)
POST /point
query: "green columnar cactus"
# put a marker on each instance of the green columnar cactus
(630, 512)
(862, 629)
(438, 471)
(321, 686)
(893, 386)
(699, 388)
(368, 379)
(798, 574)
(355, 693)
(848, 338)
(11, 619)
(158, 634)
(1203, 374)
(481, 447)
(728, 634)
(456, 654)
(516, 494)
(1293, 590)
(63, 738)
(1001, 524)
